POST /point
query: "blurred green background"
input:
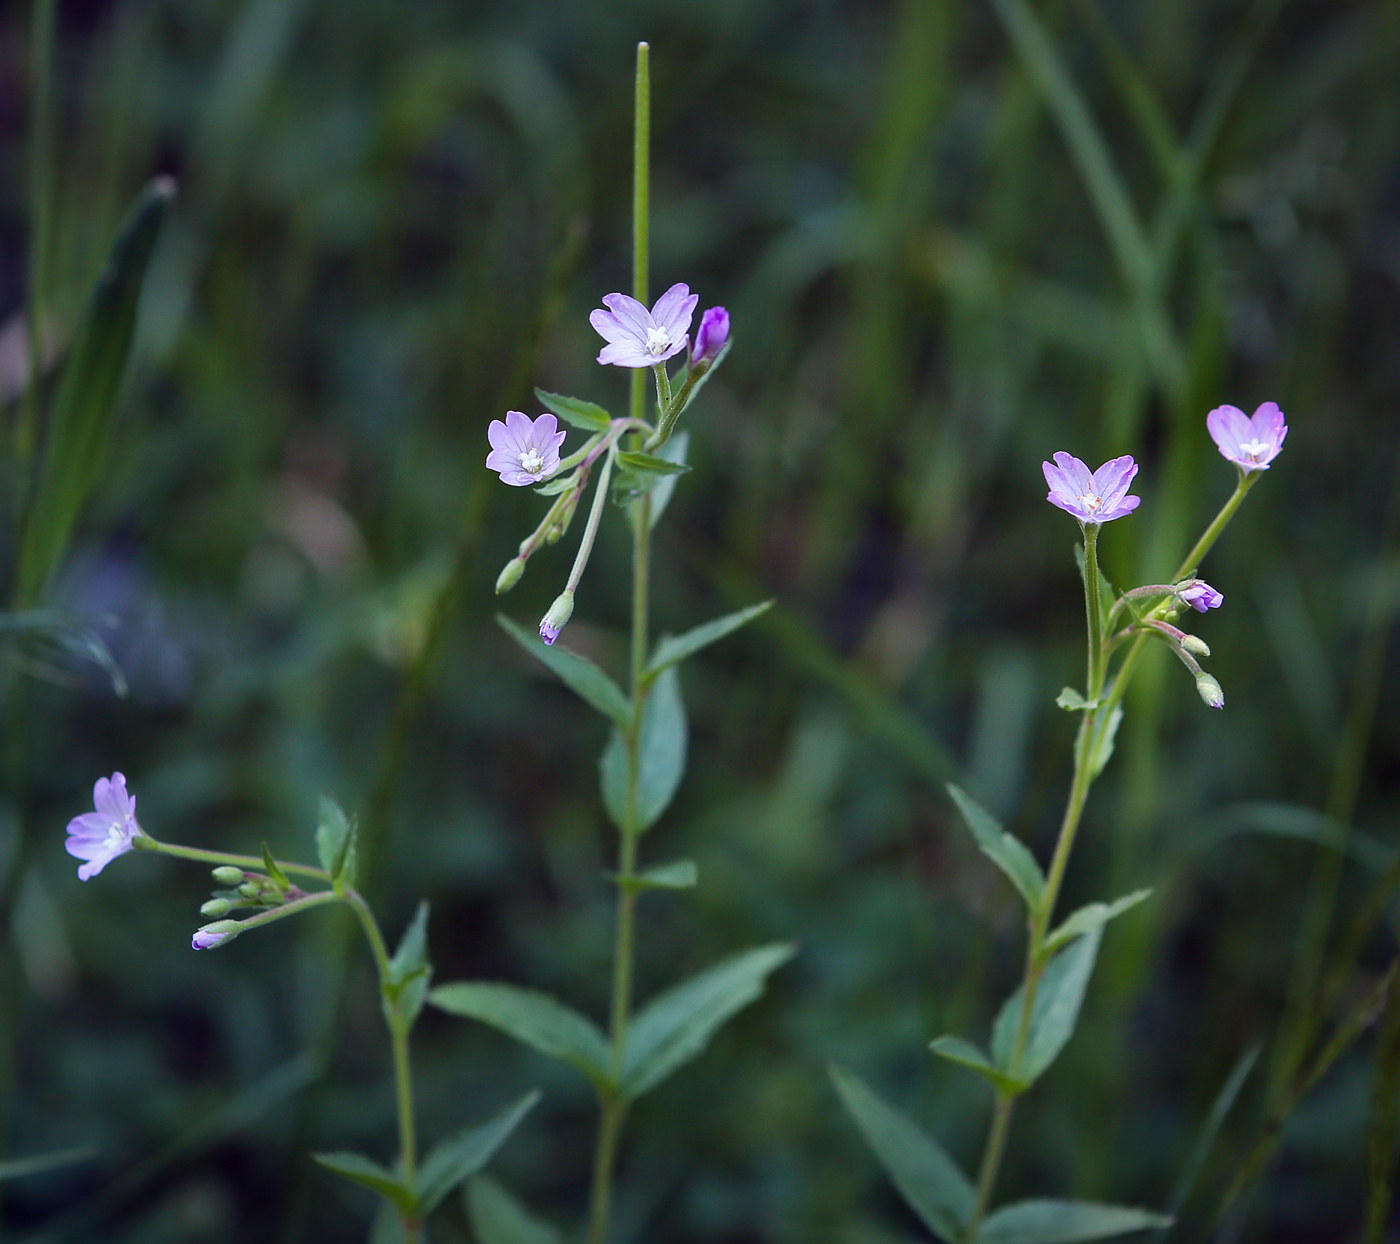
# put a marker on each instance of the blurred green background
(392, 221)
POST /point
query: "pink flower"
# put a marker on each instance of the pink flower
(1201, 596)
(710, 336)
(1251, 443)
(637, 337)
(524, 452)
(1092, 497)
(99, 837)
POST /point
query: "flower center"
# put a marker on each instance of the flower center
(531, 462)
(658, 341)
(1090, 501)
(1254, 450)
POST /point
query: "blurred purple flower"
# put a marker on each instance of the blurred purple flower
(1251, 443)
(1092, 497)
(710, 336)
(524, 452)
(99, 837)
(637, 337)
(216, 934)
(1201, 596)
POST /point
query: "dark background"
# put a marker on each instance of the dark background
(392, 223)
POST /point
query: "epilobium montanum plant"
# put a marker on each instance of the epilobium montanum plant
(410, 1190)
(636, 463)
(1038, 1019)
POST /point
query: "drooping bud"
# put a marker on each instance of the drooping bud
(1200, 595)
(1210, 691)
(510, 576)
(227, 874)
(1195, 645)
(710, 336)
(216, 907)
(558, 617)
(220, 933)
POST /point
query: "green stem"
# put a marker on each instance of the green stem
(295, 907)
(991, 1162)
(254, 863)
(590, 532)
(1093, 607)
(641, 201)
(1212, 533)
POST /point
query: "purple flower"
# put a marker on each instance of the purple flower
(637, 337)
(710, 336)
(1092, 497)
(524, 452)
(1201, 596)
(99, 837)
(217, 934)
(1250, 443)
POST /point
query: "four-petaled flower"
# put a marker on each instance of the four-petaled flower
(524, 452)
(1091, 496)
(1200, 596)
(710, 336)
(99, 837)
(1251, 443)
(637, 337)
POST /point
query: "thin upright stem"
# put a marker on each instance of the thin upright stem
(1093, 607)
(991, 1162)
(641, 201)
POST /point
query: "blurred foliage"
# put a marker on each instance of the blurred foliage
(392, 221)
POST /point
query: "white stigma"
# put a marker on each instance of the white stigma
(658, 341)
(531, 462)
(1090, 501)
(1254, 450)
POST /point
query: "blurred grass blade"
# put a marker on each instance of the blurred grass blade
(674, 649)
(926, 1176)
(1219, 1109)
(1384, 1120)
(81, 418)
(1064, 1222)
(18, 1168)
(498, 1217)
(1007, 852)
(460, 1156)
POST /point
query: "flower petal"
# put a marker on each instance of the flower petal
(499, 435)
(1228, 426)
(1113, 479)
(630, 313)
(674, 309)
(1077, 473)
(625, 354)
(545, 427)
(610, 328)
(502, 460)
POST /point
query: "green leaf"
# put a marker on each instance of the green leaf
(673, 450)
(650, 464)
(582, 676)
(965, 1054)
(18, 1168)
(359, 1169)
(1064, 1222)
(672, 650)
(675, 1027)
(927, 1178)
(532, 1018)
(335, 843)
(409, 969)
(1054, 1015)
(586, 415)
(1090, 917)
(1009, 854)
(560, 483)
(461, 1156)
(498, 1217)
(660, 760)
(81, 417)
(1070, 700)
(677, 875)
(279, 878)
(1104, 752)
(387, 1227)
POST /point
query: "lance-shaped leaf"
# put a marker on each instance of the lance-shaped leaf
(675, 1027)
(661, 749)
(674, 450)
(18, 1168)
(965, 1054)
(274, 871)
(409, 969)
(359, 1169)
(1103, 751)
(581, 675)
(1071, 701)
(1064, 1222)
(586, 415)
(1008, 853)
(532, 1018)
(1054, 1014)
(335, 842)
(498, 1216)
(672, 650)
(651, 464)
(462, 1155)
(1090, 917)
(80, 420)
(926, 1176)
(677, 875)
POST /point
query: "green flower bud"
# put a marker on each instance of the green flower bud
(557, 618)
(510, 576)
(1210, 691)
(227, 874)
(216, 907)
(1195, 645)
(250, 889)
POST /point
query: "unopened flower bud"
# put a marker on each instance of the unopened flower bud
(557, 618)
(1195, 645)
(227, 874)
(216, 907)
(217, 934)
(1210, 691)
(510, 576)
(710, 336)
(250, 889)
(1200, 595)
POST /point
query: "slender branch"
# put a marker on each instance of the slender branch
(252, 862)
